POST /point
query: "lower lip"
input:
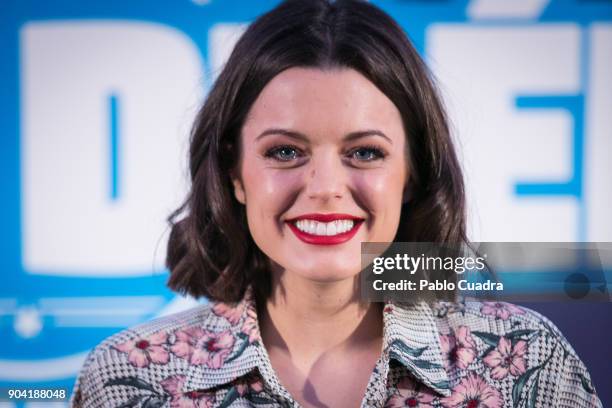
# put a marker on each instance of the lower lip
(325, 239)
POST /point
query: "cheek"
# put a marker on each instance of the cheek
(269, 193)
(380, 191)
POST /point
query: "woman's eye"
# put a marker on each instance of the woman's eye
(367, 153)
(283, 153)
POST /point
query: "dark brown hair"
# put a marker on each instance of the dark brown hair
(210, 250)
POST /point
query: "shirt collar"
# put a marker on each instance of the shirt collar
(237, 330)
(410, 337)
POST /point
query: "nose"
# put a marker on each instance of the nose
(326, 177)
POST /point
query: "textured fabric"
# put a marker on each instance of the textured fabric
(448, 355)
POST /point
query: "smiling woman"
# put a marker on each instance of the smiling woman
(324, 130)
(332, 145)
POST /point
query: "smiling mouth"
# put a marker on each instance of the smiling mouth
(325, 230)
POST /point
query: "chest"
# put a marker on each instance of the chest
(329, 382)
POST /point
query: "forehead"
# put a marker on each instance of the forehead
(322, 102)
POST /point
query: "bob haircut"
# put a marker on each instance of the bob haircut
(210, 250)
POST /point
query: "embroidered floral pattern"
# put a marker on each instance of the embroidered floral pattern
(231, 313)
(249, 327)
(203, 347)
(507, 358)
(143, 351)
(250, 383)
(459, 349)
(407, 395)
(178, 399)
(473, 392)
(481, 362)
(186, 340)
(212, 349)
(500, 310)
(148, 396)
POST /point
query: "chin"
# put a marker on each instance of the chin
(326, 272)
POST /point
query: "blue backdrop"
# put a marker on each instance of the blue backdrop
(97, 98)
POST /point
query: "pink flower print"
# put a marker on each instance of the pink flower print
(407, 396)
(193, 399)
(142, 351)
(208, 348)
(231, 313)
(212, 349)
(251, 383)
(256, 386)
(473, 392)
(500, 310)
(507, 358)
(459, 349)
(186, 340)
(203, 347)
(249, 327)
(447, 346)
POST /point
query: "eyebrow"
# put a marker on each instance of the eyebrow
(300, 136)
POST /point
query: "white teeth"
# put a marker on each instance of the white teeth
(346, 225)
(312, 226)
(321, 229)
(324, 228)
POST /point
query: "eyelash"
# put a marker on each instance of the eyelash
(271, 153)
(378, 153)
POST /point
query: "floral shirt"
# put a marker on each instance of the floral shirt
(447, 355)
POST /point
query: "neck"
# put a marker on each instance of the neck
(306, 319)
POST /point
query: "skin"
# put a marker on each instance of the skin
(321, 171)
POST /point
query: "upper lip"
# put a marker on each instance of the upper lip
(325, 217)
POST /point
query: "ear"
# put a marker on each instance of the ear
(238, 189)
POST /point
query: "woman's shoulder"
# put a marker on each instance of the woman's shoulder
(153, 332)
(517, 347)
(151, 359)
(492, 322)
(201, 315)
(497, 317)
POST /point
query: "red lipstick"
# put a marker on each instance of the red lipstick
(325, 239)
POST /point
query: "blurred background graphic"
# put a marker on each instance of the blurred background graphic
(97, 99)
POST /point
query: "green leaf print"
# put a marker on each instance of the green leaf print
(520, 383)
(489, 338)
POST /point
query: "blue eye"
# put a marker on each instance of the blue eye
(367, 153)
(283, 153)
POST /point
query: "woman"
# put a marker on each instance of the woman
(323, 131)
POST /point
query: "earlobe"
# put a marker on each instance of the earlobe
(239, 190)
